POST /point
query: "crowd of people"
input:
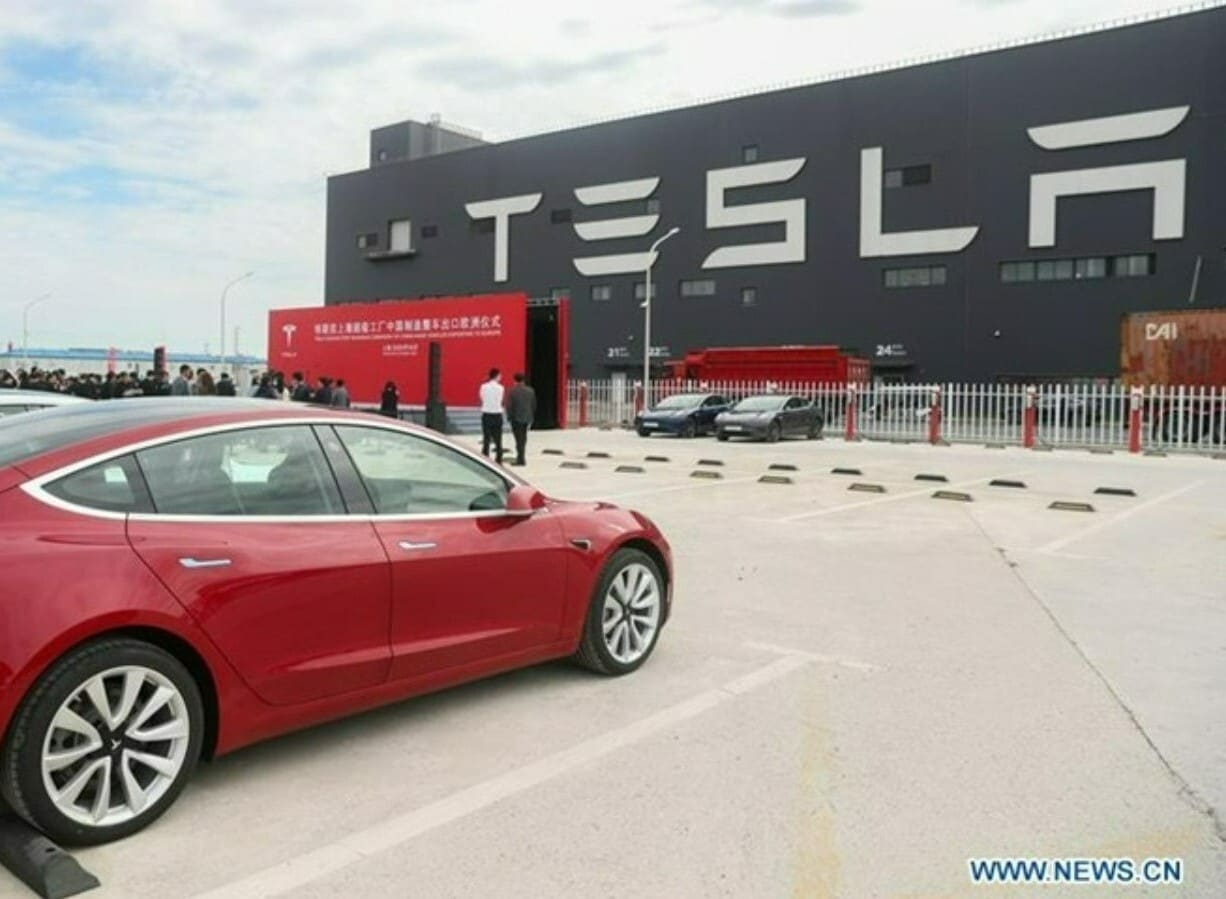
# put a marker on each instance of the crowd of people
(270, 385)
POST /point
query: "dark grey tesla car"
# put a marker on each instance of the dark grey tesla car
(769, 417)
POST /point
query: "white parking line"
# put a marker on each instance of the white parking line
(651, 491)
(1057, 545)
(893, 498)
(296, 872)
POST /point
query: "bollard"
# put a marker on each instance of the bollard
(934, 417)
(850, 431)
(1030, 417)
(1134, 420)
(583, 393)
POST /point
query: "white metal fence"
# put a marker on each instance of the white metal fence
(1173, 418)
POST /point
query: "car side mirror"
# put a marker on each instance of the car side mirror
(524, 501)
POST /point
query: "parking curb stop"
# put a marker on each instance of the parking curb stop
(40, 864)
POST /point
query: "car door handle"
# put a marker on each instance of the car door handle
(410, 546)
(189, 562)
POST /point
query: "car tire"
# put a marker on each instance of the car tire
(689, 430)
(146, 689)
(721, 436)
(616, 654)
(815, 431)
(774, 432)
(643, 432)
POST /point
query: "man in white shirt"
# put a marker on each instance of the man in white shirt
(491, 415)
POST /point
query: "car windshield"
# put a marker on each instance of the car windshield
(760, 404)
(681, 401)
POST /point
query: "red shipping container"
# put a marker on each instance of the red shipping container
(1182, 347)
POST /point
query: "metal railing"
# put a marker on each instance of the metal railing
(1168, 418)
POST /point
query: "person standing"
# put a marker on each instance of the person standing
(389, 403)
(521, 409)
(182, 385)
(340, 394)
(225, 386)
(323, 396)
(491, 393)
(206, 387)
(300, 391)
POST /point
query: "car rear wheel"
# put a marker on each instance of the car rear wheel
(689, 429)
(774, 432)
(815, 430)
(643, 432)
(104, 742)
(721, 436)
(624, 615)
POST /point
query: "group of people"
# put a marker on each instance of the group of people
(188, 382)
(519, 403)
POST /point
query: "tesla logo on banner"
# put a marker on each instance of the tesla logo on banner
(1165, 178)
(288, 331)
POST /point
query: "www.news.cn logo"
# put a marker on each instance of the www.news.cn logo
(1075, 870)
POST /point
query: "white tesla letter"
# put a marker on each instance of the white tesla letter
(1166, 178)
(875, 242)
(789, 213)
(500, 211)
(612, 229)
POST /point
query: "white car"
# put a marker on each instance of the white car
(14, 401)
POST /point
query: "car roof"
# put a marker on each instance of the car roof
(53, 437)
(45, 397)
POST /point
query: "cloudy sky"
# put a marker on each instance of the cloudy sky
(153, 150)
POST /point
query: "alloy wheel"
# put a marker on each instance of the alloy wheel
(115, 746)
(631, 613)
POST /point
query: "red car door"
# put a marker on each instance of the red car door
(250, 534)
(469, 583)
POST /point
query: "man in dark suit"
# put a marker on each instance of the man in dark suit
(521, 409)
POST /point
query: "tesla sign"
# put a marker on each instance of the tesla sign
(1165, 178)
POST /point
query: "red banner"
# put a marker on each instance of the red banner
(369, 344)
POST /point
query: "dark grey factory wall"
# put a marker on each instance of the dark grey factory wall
(965, 117)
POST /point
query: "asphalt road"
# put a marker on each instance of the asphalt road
(857, 693)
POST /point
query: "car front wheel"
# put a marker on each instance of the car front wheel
(774, 432)
(104, 742)
(624, 615)
(689, 429)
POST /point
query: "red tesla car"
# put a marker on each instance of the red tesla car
(184, 577)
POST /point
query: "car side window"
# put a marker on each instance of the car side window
(714, 401)
(410, 475)
(268, 471)
(111, 486)
(795, 403)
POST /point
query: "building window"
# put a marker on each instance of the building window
(602, 293)
(1090, 267)
(429, 231)
(481, 226)
(653, 206)
(908, 176)
(1086, 268)
(401, 231)
(368, 241)
(559, 216)
(916, 276)
(704, 287)
(640, 290)
(559, 293)
(1134, 265)
(749, 153)
(749, 296)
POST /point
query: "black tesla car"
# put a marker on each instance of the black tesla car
(769, 417)
(684, 414)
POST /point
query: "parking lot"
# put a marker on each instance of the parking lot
(857, 692)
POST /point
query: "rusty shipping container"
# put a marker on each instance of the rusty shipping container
(1185, 347)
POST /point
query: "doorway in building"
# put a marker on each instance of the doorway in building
(547, 359)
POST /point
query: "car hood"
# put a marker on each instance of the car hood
(10, 476)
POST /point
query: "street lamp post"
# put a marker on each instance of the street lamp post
(224, 291)
(651, 258)
(25, 328)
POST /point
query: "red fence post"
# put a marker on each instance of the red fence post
(1134, 420)
(850, 418)
(1030, 417)
(583, 404)
(934, 417)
